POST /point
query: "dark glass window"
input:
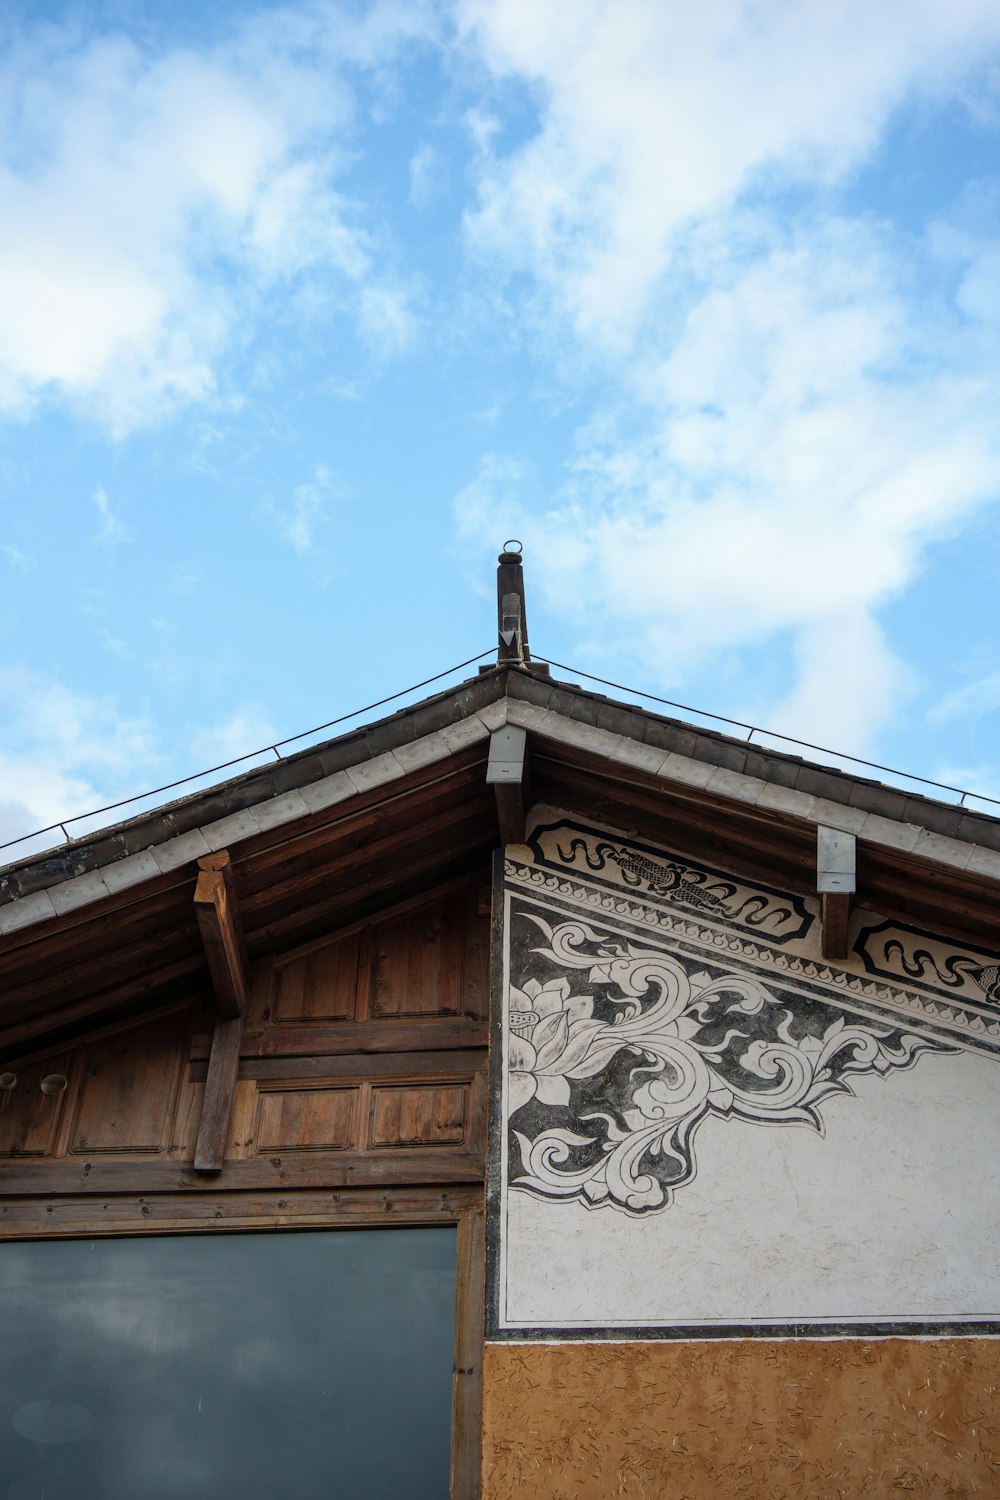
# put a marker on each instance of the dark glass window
(228, 1367)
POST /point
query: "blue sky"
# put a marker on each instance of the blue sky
(305, 309)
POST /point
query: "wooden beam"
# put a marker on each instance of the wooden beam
(220, 1091)
(507, 773)
(218, 916)
(836, 882)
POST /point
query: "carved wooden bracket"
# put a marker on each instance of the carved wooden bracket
(219, 921)
(217, 910)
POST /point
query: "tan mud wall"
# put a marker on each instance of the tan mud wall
(743, 1420)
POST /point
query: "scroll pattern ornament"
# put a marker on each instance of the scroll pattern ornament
(629, 1056)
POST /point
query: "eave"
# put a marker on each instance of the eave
(107, 923)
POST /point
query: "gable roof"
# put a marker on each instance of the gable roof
(325, 835)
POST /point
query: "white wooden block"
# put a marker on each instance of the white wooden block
(836, 860)
(508, 747)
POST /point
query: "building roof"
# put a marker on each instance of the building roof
(325, 836)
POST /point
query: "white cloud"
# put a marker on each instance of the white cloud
(244, 731)
(151, 200)
(110, 529)
(973, 700)
(654, 117)
(803, 401)
(427, 175)
(387, 320)
(22, 561)
(63, 753)
(301, 517)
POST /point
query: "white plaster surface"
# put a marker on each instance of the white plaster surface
(893, 1214)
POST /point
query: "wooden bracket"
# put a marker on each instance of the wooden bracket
(218, 916)
(836, 882)
(507, 774)
(219, 920)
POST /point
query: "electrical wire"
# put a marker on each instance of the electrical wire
(250, 755)
(618, 687)
(772, 734)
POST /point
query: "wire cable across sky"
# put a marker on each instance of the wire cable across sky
(277, 745)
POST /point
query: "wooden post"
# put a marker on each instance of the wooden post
(836, 882)
(220, 1091)
(507, 774)
(217, 910)
(512, 623)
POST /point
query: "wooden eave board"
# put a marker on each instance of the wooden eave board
(765, 844)
(295, 883)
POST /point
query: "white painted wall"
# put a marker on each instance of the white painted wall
(894, 1214)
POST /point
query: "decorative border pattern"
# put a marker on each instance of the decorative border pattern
(695, 888)
(976, 1026)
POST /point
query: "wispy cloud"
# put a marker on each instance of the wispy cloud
(973, 700)
(244, 731)
(110, 529)
(63, 753)
(803, 398)
(15, 558)
(152, 198)
(428, 171)
(301, 518)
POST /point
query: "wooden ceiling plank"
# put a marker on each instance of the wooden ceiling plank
(22, 1029)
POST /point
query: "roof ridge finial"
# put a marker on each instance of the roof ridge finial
(512, 621)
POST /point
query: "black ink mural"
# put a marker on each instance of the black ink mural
(618, 1049)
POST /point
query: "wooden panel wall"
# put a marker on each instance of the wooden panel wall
(362, 1061)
